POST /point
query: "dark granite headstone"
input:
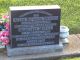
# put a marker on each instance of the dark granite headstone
(34, 30)
(34, 26)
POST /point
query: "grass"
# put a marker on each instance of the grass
(70, 12)
(76, 58)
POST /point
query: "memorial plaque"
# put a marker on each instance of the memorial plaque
(34, 25)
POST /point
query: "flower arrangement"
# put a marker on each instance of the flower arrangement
(4, 30)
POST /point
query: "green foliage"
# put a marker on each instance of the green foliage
(70, 10)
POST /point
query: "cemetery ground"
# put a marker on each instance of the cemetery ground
(70, 12)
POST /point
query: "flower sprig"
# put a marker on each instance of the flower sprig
(4, 33)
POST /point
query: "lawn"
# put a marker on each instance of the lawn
(70, 11)
(76, 58)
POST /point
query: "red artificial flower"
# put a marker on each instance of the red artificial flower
(5, 40)
(4, 33)
(5, 17)
(7, 26)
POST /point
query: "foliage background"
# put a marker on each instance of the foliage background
(70, 10)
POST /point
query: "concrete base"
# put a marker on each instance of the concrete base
(34, 50)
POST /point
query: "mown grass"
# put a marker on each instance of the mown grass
(70, 14)
(76, 58)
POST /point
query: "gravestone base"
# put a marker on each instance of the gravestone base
(34, 50)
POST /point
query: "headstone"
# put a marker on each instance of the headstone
(34, 28)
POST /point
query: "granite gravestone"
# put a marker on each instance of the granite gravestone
(34, 26)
